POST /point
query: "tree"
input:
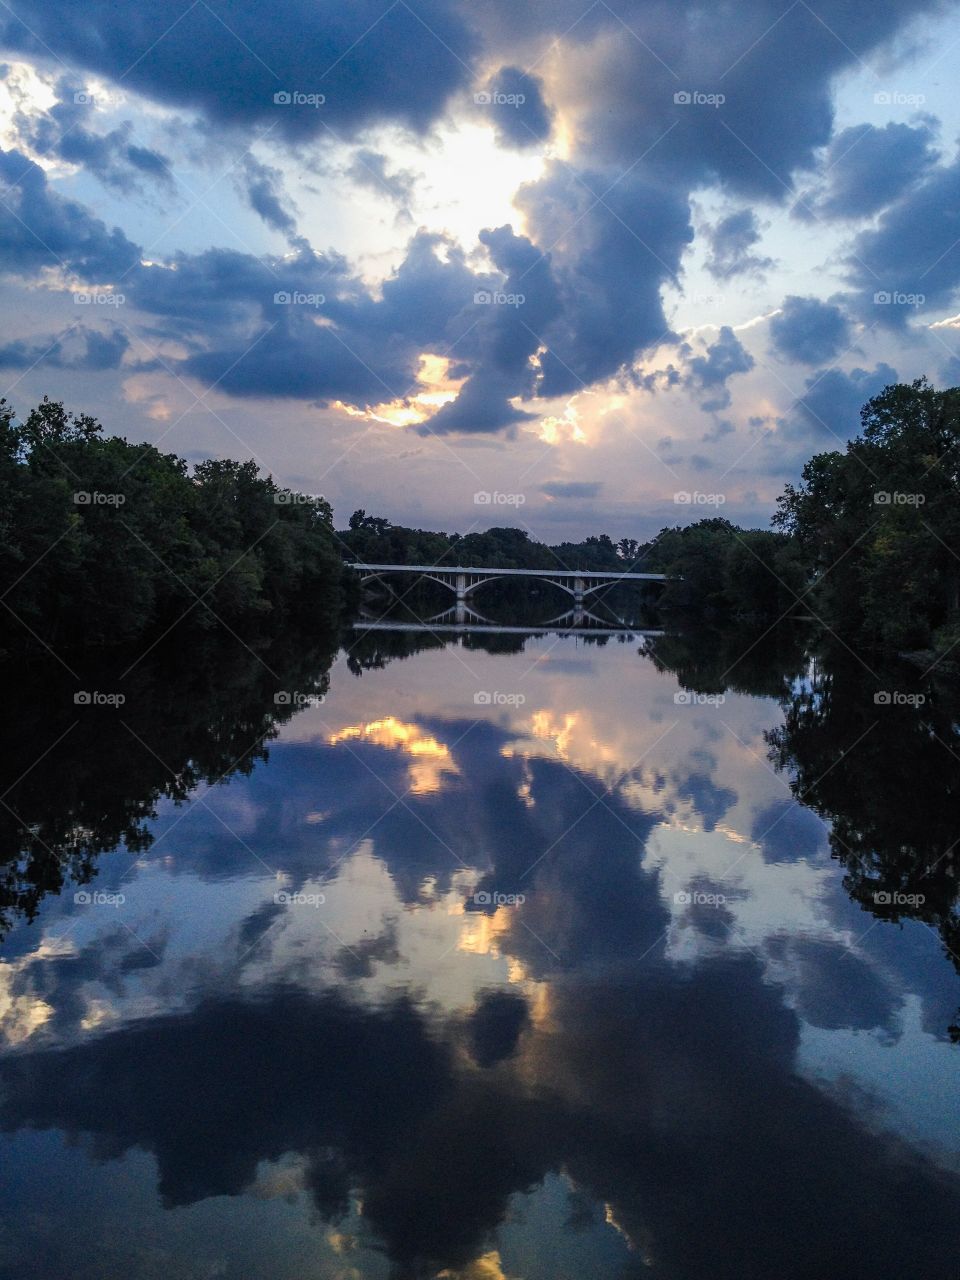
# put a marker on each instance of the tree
(878, 525)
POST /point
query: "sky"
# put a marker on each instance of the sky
(570, 267)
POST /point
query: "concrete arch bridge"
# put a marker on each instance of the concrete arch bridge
(464, 580)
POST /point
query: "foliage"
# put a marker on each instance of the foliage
(103, 541)
(721, 570)
(878, 526)
(192, 714)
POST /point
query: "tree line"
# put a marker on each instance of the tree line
(104, 542)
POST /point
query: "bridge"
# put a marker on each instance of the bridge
(495, 629)
(463, 580)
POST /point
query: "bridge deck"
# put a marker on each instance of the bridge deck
(593, 574)
(489, 628)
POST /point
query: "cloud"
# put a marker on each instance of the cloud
(709, 373)
(62, 132)
(787, 832)
(228, 60)
(617, 74)
(514, 101)
(866, 168)
(809, 331)
(572, 488)
(369, 169)
(547, 323)
(305, 326)
(496, 1025)
(731, 241)
(76, 348)
(40, 229)
(866, 1000)
(832, 401)
(602, 231)
(510, 322)
(704, 374)
(911, 260)
(612, 244)
(262, 186)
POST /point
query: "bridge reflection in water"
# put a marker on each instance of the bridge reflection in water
(464, 580)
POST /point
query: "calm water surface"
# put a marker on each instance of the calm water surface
(520, 964)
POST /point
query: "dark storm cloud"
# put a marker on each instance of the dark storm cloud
(513, 100)
(228, 60)
(604, 232)
(809, 331)
(709, 373)
(263, 187)
(370, 169)
(303, 325)
(506, 328)
(482, 406)
(831, 404)
(63, 982)
(77, 348)
(704, 374)
(495, 1026)
(911, 260)
(731, 243)
(63, 132)
(592, 303)
(621, 69)
(612, 243)
(663, 1093)
(572, 488)
(648, 66)
(41, 229)
(867, 167)
(864, 1000)
(787, 832)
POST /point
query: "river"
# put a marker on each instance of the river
(542, 957)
